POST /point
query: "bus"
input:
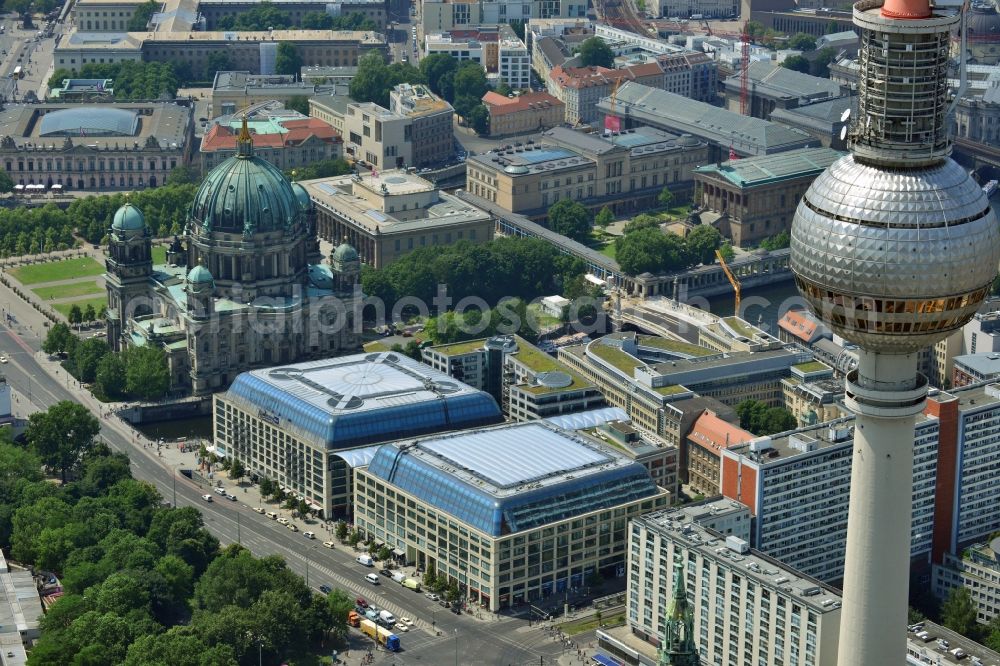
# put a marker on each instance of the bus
(18, 73)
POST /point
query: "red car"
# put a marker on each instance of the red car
(361, 602)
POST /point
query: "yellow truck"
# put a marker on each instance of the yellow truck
(384, 637)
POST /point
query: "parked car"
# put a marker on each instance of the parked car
(207, 498)
(309, 535)
(386, 573)
(283, 520)
(325, 589)
(372, 578)
(455, 609)
(445, 603)
(293, 527)
(361, 602)
(259, 509)
(432, 596)
(231, 497)
(405, 620)
(328, 544)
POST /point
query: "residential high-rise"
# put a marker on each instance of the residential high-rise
(894, 247)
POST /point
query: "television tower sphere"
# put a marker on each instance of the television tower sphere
(894, 246)
(892, 260)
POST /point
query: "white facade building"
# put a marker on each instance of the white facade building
(513, 60)
(748, 608)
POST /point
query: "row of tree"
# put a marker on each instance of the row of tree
(135, 373)
(143, 583)
(760, 419)
(959, 612)
(462, 84)
(132, 80)
(523, 268)
(650, 249)
(267, 15)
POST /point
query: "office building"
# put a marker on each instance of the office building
(821, 120)
(975, 368)
(772, 86)
(580, 88)
(514, 60)
(797, 486)
(233, 92)
(105, 15)
(926, 651)
(431, 134)
(289, 423)
(756, 197)
(285, 138)
(526, 382)
(724, 131)
(716, 9)
(977, 569)
(20, 613)
(625, 172)
(127, 146)
(512, 514)
(445, 15)
(747, 607)
(812, 395)
(522, 114)
(388, 214)
(83, 91)
(708, 436)
(661, 460)
(254, 52)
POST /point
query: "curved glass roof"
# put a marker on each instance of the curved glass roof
(89, 121)
(514, 477)
(590, 418)
(363, 399)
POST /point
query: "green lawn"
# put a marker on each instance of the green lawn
(608, 250)
(66, 269)
(574, 627)
(64, 308)
(159, 254)
(68, 290)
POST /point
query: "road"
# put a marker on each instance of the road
(495, 641)
(401, 38)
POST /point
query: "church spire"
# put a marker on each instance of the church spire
(678, 647)
(244, 141)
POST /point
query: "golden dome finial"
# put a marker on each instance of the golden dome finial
(244, 141)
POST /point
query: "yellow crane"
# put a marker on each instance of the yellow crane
(732, 279)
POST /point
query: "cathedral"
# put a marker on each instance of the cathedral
(245, 288)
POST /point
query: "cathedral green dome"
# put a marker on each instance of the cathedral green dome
(245, 195)
(302, 196)
(128, 218)
(345, 252)
(200, 275)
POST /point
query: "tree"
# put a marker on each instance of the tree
(604, 218)
(182, 175)
(89, 314)
(6, 182)
(665, 197)
(266, 487)
(146, 373)
(140, 18)
(341, 604)
(820, 65)
(302, 507)
(218, 61)
(61, 435)
(384, 553)
(470, 85)
(298, 103)
(341, 530)
(479, 119)
(437, 67)
(651, 250)
(374, 79)
(727, 252)
(518, 27)
(802, 41)
(75, 315)
(958, 612)
(287, 60)
(992, 633)
(87, 358)
(796, 63)
(756, 417)
(702, 242)
(354, 539)
(321, 169)
(594, 52)
(237, 469)
(777, 242)
(56, 339)
(109, 379)
(503, 89)
(569, 218)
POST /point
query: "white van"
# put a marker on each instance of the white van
(219, 491)
(387, 618)
(273, 515)
(399, 577)
(367, 561)
(372, 578)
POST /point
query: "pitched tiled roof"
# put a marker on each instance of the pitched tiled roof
(499, 105)
(582, 77)
(713, 434)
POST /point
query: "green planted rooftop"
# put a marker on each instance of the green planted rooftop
(459, 348)
(538, 362)
(616, 357)
(811, 366)
(670, 390)
(666, 344)
(739, 326)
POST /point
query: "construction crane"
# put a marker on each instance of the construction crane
(732, 279)
(745, 69)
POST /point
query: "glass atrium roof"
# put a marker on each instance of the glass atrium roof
(89, 121)
(362, 399)
(513, 477)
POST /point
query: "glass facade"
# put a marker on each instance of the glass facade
(518, 512)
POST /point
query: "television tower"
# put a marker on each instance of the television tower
(894, 246)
